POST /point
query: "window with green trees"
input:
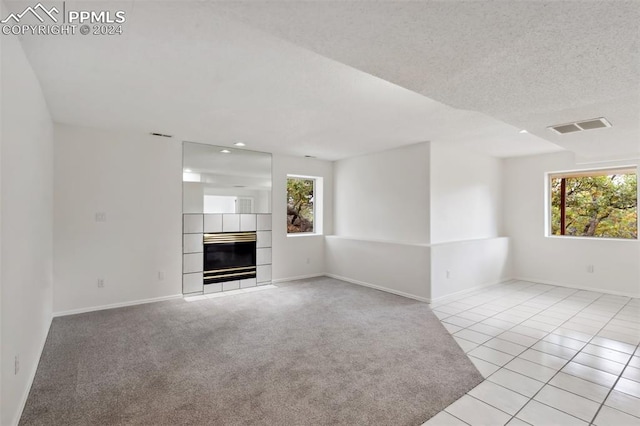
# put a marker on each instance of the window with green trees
(595, 203)
(300, 205)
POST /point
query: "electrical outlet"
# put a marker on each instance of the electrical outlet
(590, 269)
(100, 282)
(160, 276)
(308, 260)
(16, 367)
(101, 217)
(448, 274)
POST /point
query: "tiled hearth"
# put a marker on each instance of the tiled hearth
(194, 228)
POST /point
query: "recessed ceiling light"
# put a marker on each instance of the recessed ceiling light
(523, 131)
(187, 170)
(239, 144)
(225, 151)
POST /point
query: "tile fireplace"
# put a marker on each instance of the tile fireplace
(225, 252)
(229, 256)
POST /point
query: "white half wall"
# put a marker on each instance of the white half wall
(466, 194)
(384, 196)
(398, 268)
(461, 266)
(562, 260)
(26, 282)
(135, 181)
(298, 256)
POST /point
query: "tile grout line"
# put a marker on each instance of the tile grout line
(579, 351)
(614, 386)
(493, 299)
(527, 319)
(542, 338)
(576, 354)
(511, 307)
(530, 347)
(499, 286)
(593, 301)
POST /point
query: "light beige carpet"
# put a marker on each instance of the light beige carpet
(315, 352)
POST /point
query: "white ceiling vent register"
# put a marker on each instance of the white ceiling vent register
(579, 126)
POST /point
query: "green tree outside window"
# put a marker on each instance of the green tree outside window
(595, 205)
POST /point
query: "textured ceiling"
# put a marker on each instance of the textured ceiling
(190, 69)
(529, 63)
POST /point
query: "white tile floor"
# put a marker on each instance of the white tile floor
(549, 355)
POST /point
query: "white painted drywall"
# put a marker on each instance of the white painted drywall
(300, 255)
(136, 181)
(558, 260)
(382, 221)
(466, 221)
(394, 267)
(464, 265)
(432, 194)
(384, 196)
(193, 197)
(26, 226)
(466, 194)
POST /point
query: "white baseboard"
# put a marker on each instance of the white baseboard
(300, 277)
(578, 287)
(32, 376)
(378, 287)
(116, 305)
(469, 290)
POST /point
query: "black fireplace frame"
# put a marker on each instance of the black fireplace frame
(229, 256)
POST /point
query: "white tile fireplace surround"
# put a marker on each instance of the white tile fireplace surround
(193, 230)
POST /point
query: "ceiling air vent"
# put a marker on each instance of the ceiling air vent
(579, 126)
(162, 135)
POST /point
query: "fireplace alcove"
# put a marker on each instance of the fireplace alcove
(226, 218)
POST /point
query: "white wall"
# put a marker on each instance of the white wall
(382, 221)
(136, 180)
(300, 255)
(384, 196)
(466, 194)
(193, 197)
(467, 250)
(26, 226)
(561, 261)
(460, 266)
(398, 268)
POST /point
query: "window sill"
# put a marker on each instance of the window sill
(560, 237)
(304, 234)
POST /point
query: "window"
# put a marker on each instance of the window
(595, 203)
(302, 194)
